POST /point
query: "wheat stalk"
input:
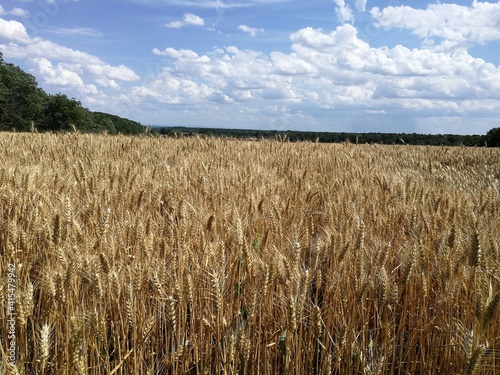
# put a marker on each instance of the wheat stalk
(213, 255)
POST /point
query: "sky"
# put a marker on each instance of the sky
(411, 66)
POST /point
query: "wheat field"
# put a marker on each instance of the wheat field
(148, 255)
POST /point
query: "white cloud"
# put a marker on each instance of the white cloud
(19, 12)
(56, 76)
(450, 22)
(360, 5)
(120, 73)
(325, 72)
(343, 11)
(38, 47)
(174, 24)
(74, 76)
(316, 39)
(219, 97)
(59, 66)
(193, 19)
(169, 89)
(250, 30)
(176, 54)
(13, 32)
(75, 31)
(292, 65)
(104, 82)
(188, 19)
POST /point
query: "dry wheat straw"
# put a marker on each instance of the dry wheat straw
(216, 256)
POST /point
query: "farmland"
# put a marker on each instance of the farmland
(150, 255)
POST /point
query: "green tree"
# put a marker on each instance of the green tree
(20, 98)
(23, 104)
(114, 124)
(492, 138)
(63, 114)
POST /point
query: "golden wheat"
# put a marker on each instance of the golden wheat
(216, 256)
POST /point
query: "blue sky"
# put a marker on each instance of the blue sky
(322, 65)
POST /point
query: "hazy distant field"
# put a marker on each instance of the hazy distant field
(203, 256)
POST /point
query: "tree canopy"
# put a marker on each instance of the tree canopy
(331, 137)
(492, 138)
(21, 101)
(24, 106)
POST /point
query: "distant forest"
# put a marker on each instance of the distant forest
(492, 138)
(26, 107)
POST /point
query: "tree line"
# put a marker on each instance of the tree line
(26, 107)
(492, 138)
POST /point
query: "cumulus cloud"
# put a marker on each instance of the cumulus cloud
(169, 89)
(224, 76)
(343, 11)
(326, 71)
(175, 24)
(188, 19)
(108, 83)
(60, 66)
(119, 73)
(56, 75)
(13, 32)
(38, 47)
(176, 54)
(360, 5)
(71, 76)
(250, 30)
(193, 19)
(478, 23)
(292, 65)
(18, 12)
